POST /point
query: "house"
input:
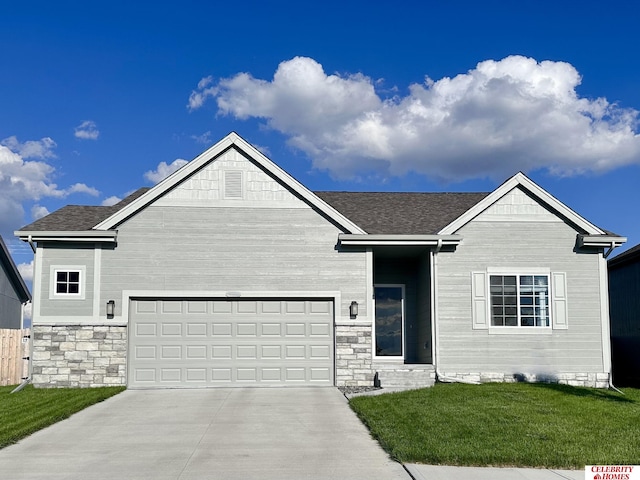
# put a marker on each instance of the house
(14, 294)
(624, 295)
(229, 272)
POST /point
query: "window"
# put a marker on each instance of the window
(519, 300)
(68, 282)
(389, 320)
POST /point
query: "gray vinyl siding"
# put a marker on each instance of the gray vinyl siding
(73, 255)
(231, 249)
(519, 244)
(10, 305)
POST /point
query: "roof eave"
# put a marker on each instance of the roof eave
(600, 241)
(352, 240)
(108, 236)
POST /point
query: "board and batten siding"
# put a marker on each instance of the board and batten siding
(511, 238)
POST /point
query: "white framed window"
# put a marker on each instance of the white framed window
(519, 300)
(67, 282)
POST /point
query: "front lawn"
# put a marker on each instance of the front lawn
(31, 409)
(499, 424)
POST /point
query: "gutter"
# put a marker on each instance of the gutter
(438, 241)
(610, 242)
(72, 236)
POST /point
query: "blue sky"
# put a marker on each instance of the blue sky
(100, 98)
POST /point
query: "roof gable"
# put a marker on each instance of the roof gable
(522, 182)
(232, 140)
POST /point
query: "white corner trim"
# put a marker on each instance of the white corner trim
(37, 285)
(97, 269)
(520, 179)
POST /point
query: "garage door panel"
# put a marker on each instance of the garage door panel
(212, 342)
(247, 329)
(172, 329)
(197, 306)
(171, 352)
(171, 306)
(319, 330)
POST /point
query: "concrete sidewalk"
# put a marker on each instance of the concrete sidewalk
(440, 472)
(227, 434)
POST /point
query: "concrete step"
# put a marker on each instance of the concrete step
(403, 376)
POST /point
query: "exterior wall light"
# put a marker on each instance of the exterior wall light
(353, 309)
(111, 308)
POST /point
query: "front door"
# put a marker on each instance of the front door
(389, 321)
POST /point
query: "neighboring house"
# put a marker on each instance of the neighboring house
(230, 272)
(624, 294)
(14, 294)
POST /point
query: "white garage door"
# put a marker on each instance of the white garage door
(221, 342)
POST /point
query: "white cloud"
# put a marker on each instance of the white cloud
(164, 170)
(41, 149)
(107, 202)
(498, 118)
(38, 211)
(204, 139)
(204, 91)
(87, 130)
(26, 271)
(25, 181)
(82, 188)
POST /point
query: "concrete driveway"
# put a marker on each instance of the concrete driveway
(261, 433)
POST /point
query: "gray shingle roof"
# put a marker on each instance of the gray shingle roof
(401, 212)
(79, 217)
(375, 212)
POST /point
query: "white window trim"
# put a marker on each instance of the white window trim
(54, 269)
(481, 308)
(519, 273)
(373, 337)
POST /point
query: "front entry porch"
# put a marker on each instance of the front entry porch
(402, 330)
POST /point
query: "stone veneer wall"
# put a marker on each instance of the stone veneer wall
(353, 355)
(594, 380)
(78, 356)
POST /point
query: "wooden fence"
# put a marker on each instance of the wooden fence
(14, 350)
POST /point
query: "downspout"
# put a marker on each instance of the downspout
(434, 316)
(30, 240)
(606, 299)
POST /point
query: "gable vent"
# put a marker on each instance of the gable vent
(233, 184)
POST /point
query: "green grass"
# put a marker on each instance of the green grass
(526, 425)
(32, 409)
